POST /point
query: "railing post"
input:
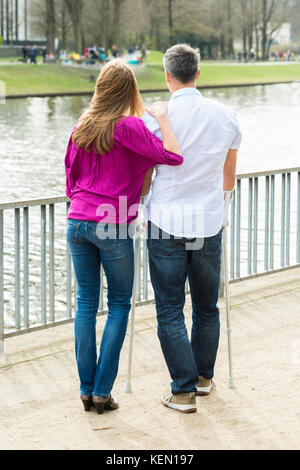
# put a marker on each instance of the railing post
(138, 294)
(145, 270)
(1, 283)
(267, 222)
(283, 216)
(51, 264)
(272, 222)
(238, 229)
(101, 300)
(232, 237)
(255, 235)
(43, 267)
(68, 276)
(17, 270)
(26, 265)
(250, 222)
(288, 220)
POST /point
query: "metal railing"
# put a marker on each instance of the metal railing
(37, 284)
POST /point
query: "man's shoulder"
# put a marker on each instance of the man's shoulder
(206, 105)
(219, 107)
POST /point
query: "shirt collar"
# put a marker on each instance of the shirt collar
(185, 92)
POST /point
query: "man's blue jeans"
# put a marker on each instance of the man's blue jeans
(88, 252)
(171, 263)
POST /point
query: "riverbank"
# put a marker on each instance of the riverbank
(52, 80)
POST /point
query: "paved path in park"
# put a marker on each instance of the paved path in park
(40, 408)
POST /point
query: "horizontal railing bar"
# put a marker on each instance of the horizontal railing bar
(33, 202)
(66, 321)
(265, 273)
(138, 304)
(267, 173)
(62, 199)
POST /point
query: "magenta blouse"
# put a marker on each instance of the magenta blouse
(108, 187)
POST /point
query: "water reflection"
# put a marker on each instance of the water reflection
(34, 135)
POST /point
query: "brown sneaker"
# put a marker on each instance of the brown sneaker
(184, 402)
(204, 386)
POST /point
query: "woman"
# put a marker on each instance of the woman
(109, 156)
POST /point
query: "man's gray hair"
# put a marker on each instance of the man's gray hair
(182, 62)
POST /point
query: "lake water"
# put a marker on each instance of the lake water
(34, 135)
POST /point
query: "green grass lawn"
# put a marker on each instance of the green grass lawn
(30, 79)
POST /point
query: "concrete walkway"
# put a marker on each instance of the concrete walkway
(40, 408)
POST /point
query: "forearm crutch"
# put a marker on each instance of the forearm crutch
(137, 246)
(228, 197)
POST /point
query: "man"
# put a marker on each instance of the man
(186, 215)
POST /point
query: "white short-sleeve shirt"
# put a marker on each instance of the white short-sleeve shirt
(188, 201)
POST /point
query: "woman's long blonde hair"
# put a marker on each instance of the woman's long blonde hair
(116, 96)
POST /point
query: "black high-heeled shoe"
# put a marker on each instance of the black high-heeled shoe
(102, 404)
(87, 402)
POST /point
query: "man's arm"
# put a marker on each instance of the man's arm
(230, 170)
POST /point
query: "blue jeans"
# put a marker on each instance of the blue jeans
(171, 263)
(88, 252)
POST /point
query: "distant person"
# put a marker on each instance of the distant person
(33, 55)
(45, 55)
(114, 51)
(108, 159)
(63, 56)
(25, 53)
(94, 55)
(102, 54)
(252, 55)
(245, 55)
(144, 51)
(240, 56)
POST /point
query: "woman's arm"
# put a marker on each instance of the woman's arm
(159, 111)
(147, 182)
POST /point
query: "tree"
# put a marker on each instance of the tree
(116, 21)
(230, 38)
(170, 20)
(63, 22)
(75, 8)
(105, 23)
(50, 25)
(273, 14)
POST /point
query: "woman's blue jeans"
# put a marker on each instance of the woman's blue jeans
(89, 251)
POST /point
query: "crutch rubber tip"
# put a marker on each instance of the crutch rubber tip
(231, 383)
(128, 388)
